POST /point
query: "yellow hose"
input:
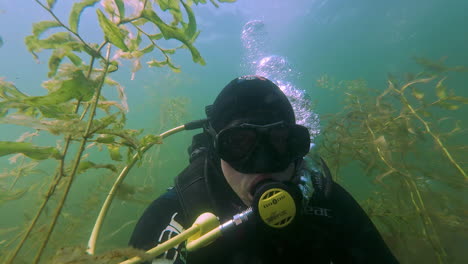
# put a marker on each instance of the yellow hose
(196, 234)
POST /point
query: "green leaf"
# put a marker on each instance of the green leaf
(9, 91)
(448, 106)
(86, 165)
(163, 4)
(77, 10)
(167, 31)
(28, 108)
(41, 27)
(169, 51)
(55, 60)
(417, 94)
(213, 2)
(111, 31)
(421, 80)
(191, 27)
(104, 122)
(147, 49)
(156, 36)
(441, 89)
(171, 32)
(113, 66)
(107, 106)
(106, 139)
(62, 112)
(173, 67)
(156, 63)
(425, 113)
(151, 139)
(139, 22)
(460, 99)
(12, 195)
(121, 7)
(174, 9)
(200, 1)
(92, 51)
(196, 56)
(54, 127)
(138, 39)
(12, 98)
(51, 3)
(383, 175)
(1, 41)
(75, 59)
(79, 87)
(114, 152)
(134, 43)
(456, 128)
(195, 36)
(28, 149)
(54, 41)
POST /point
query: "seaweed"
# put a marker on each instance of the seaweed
(76, 113)
(408, 142)
(77, 255)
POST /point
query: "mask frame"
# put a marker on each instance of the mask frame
(251, 148)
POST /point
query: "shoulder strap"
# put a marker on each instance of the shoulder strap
(200, 144)
(192, 191)
(191, 184)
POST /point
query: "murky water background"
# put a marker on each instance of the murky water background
(291, 42)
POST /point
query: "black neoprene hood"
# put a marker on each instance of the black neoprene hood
(253, 99)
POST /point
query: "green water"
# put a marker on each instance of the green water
(346, 40)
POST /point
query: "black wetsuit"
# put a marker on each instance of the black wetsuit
(333, 228)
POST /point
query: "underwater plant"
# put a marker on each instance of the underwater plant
(76, 110)
(409, 143)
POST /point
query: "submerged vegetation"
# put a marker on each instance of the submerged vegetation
(77, 114)
(406, 139)
(409, 143)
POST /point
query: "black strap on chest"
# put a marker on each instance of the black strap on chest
(192, 184)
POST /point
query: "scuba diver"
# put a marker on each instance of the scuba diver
(250, 149)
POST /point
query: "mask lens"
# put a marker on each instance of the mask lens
(299, 143)
(252, 148)
(279, 138)
(235, 143)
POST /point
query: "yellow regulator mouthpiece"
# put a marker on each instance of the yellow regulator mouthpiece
(276, 207)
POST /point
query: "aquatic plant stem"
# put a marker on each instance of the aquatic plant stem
(49, 194)
(76, 163)
(110, 196)
(18, 173)
(425, 219)
(434, 136)
(419, 206)
(67, 28)
(58, 176)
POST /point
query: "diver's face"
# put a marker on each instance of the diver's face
(243, 183)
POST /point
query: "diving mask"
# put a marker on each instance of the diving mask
(251, 148)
